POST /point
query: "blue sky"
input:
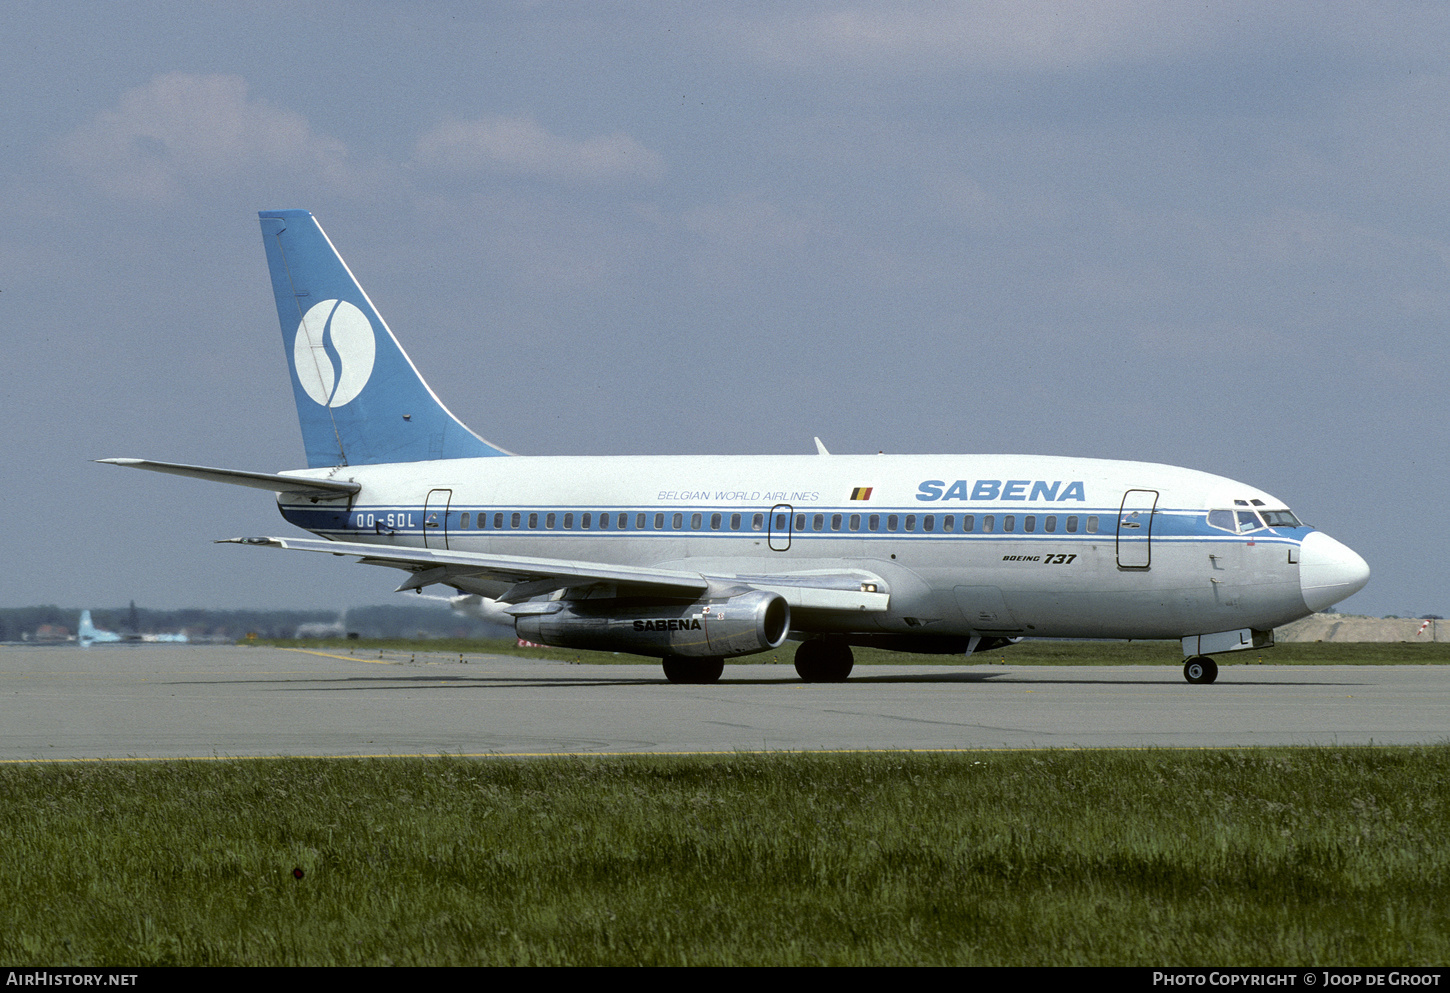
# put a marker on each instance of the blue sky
(1207, 235)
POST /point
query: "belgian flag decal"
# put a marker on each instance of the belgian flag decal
(861, 493)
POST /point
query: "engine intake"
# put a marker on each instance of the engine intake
(744, 624)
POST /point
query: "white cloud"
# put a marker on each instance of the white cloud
(182, 130)
(1027, 34)
(521, 145)
(748, 224)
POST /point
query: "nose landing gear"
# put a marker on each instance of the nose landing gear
(1200, 669)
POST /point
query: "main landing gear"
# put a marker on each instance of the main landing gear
(1200, 669)
(682, 669)
(824, 660)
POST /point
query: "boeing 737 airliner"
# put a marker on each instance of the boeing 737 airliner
(695, 559)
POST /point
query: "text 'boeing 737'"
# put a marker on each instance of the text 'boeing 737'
(694, 560)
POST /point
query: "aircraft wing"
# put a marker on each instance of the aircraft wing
(532, 576)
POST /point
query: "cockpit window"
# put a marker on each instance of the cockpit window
(1248, 520)
(1222, 519)
(1281, 519)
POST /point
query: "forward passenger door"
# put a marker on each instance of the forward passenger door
(1135, 529)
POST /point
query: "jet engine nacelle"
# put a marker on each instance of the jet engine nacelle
(744, 624)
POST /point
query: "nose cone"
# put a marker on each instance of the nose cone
(1329, 571)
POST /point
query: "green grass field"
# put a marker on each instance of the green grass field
(1332, 856)
(1025, 653)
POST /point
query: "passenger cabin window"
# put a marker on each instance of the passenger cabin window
(891, 522)
(695, 520)
(1050, 524)
(568, 522)
(855, 522)
(498, 522)
(515, 520)
(928, 522)
(757, 522)
(989, 523)
(585, 520)
(639, 521)
(549, 521)
(533, 522)
(677, 522)
(1072, 525)
(1009, 522)
(659, 522)
(873, 523)
(1092, 524)
(463, 521)
(949, 523)
(1029, 524)
(969, 522)
(714, 522)
(734, 522)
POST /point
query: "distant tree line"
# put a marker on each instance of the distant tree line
(429, 619)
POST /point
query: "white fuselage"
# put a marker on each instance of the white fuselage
(1000, 545)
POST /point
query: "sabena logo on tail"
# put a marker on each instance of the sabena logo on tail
(334, 352)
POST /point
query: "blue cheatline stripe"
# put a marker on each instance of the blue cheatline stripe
(1168, 526)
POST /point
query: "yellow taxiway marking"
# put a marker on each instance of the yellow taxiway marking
(349, 658)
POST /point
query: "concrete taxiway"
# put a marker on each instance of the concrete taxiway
(163, 701)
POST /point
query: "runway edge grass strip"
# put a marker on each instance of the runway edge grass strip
(1284, 856)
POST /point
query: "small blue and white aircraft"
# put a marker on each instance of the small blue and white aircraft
(88, 634)
(695, 559)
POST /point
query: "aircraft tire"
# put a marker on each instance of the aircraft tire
(1200, 669)
(822, 661)
(693, 671)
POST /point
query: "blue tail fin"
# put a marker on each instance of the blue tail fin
(89, 634)
(359, 398)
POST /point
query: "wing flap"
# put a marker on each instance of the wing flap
(851, 590)
(813, 598)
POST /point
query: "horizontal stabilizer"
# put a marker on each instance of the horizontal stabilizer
(330, 489)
